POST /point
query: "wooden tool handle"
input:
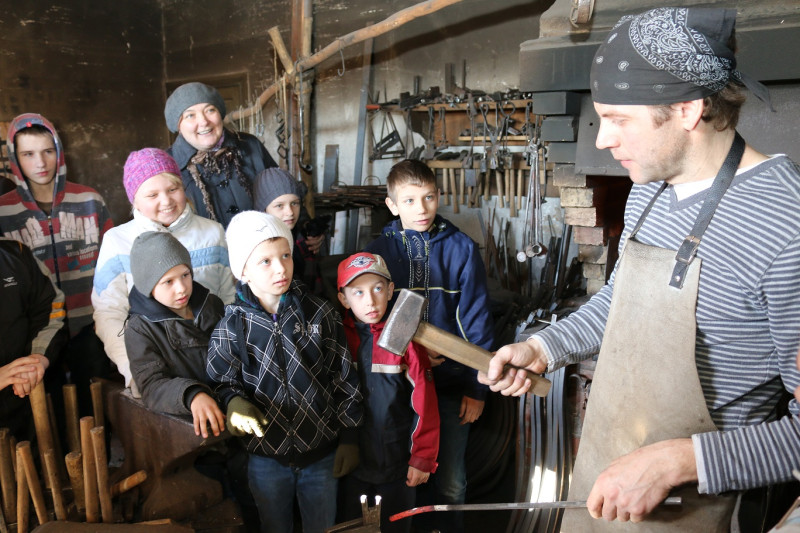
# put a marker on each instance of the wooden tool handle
(9, 484)
(74, 462)
(499, 179)
(452, 173)
(467, 353)
(134, 480)
(41, 420)
(101, 463)
(23, 496)
(89, 470)
(96, 390)
(72, 416)
(55, 485)
(32, 479)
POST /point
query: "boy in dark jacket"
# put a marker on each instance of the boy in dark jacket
(281, 366)
(428, 254)
(166, 336)
(399, 440)
(31, 322)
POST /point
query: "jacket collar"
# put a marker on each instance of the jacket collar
(155, 311)
(147, 224)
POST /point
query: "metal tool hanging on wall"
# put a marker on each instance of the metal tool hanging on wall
(387, 138)
(533, 231)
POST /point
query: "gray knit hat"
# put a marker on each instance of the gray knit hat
(186, 96)
(272, 183)
(153, 254)
(247, 230)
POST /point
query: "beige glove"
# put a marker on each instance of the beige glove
(244, 418)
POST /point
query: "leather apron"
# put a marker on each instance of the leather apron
(646, 388)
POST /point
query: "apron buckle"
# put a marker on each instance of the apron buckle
(688, 249)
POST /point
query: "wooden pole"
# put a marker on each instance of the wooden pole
(74, 462)
(101, 463)
(9, 484)
(96, 389)
(32, 478)
(23, 501)
(283, 53)
(71, 410)
(89, 470)
(134, 480)
(41, 420)
(61, 471)
(391, 23)
(55, 485)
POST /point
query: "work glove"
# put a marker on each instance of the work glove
(244, 418)
(346, 459)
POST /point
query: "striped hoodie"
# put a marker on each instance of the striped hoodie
(68, 240)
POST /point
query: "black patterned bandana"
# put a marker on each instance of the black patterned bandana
(668, 55)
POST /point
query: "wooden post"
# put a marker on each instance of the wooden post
(134, 480)
(32, 478)
(96, 389)
(89, 470)
(71, 409)
(23, 500)
(61, 471)
(44, 436)
(101, 464)
(55, 485)
(9, 484)
(393, 22)
(75, 471)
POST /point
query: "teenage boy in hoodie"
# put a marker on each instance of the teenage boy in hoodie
(399, 399)
(280, 364)
(428, 254)
(63, 223)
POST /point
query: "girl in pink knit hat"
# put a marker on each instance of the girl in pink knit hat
(152, 181)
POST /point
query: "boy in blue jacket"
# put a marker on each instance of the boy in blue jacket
(399, 440)
(428, 254)
(280, 364)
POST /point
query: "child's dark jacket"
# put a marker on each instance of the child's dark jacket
(444, 265)
(401, 427)
(167, 352)
(295, 367)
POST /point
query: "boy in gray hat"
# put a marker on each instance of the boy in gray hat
(217, 165)
(278, 193)
(171, 320)
(280, 364)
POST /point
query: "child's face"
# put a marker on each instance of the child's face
(38, 158)
(174, 289)
(286, 208)
(161, 199)
(416, 206)
(268, 271)
(367, 295)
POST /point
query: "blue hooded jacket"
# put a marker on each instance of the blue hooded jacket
(444, 265)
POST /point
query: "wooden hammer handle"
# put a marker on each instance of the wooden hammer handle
(467, 353)
(7, 479)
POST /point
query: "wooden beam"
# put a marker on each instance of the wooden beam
(391, 23)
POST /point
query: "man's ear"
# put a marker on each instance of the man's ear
(343, 300)
(390, 288)
(690, 113)
(392, 206)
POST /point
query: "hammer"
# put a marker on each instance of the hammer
(405, 324)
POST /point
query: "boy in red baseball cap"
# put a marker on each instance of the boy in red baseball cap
(390, 384)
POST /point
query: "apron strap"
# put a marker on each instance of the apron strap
(688, 249)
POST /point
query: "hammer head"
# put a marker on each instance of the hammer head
(403, 322)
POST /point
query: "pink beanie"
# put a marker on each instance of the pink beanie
(145, 164)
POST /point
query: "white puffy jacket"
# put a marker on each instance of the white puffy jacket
(205, 240)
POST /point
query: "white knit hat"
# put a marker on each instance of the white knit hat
(247, 230)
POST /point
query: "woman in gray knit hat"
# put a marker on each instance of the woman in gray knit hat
(217, 165)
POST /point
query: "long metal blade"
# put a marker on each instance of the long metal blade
(675, 500)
